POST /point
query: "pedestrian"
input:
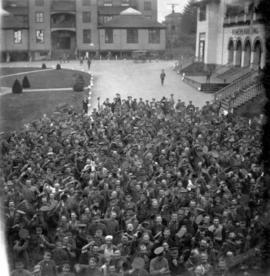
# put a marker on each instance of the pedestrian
(162, 76)
(85, 104)
(89, 63)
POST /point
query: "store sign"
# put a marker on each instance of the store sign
(246, 31)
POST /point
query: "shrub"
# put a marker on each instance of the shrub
(25, 82)
(43, 66)
(16, 88)
(79, 83)
(58, 66)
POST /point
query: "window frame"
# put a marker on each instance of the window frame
(134, 39)
(14, 36)
(125, 2)
(84, 17)
(84, 32)
(154, 36)
(107, 3)
(39, 19)
(145, 7)
(202, 13)
(110, 36)
(43, 36)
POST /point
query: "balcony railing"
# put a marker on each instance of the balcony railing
(63, 25)
(237, 19)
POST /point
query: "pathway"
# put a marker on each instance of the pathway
(129, 78)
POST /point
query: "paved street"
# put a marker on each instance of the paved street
(129, 78)
(141, 80)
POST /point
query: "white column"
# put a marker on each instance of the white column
(234, 57)
(252, 56)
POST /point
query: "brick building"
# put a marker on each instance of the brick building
(40, 29)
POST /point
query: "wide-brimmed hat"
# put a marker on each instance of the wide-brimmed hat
(159, 250)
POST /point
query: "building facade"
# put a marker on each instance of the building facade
(132, 31)
(230, 32)
(40, 29)
(173, 29)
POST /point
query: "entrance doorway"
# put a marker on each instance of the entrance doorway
(63, 44)
(247, 54)
(238, 58)
(230, 52)
(257, 54)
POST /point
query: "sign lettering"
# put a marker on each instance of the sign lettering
(246, 31)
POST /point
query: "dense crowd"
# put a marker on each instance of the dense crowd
(138, 188)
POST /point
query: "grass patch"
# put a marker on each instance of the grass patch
(15, 70)
(17, 110)
(48, 79)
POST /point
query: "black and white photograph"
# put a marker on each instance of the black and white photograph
(134, 138)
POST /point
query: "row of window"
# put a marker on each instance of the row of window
(147, 3)
(132, 36)
(41, 2)
(86, 17)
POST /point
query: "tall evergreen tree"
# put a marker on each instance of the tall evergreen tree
(189, 18)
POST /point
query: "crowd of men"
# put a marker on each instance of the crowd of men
(138, 188)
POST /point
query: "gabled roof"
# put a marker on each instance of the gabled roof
(126, 21)
(130, 11)
(111, 10)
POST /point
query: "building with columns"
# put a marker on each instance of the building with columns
(230, 32)
(44, 29)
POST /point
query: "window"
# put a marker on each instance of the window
(132, 36)
(107, 18)
(202, 13)
(86, 17)
(39, 17)
(147, 5)
(108, 36)
(154, 36)
(39, 2)
(87, 36)
(107, 2)
(17, 37)
(134, 4)
(125, 3)
(86, 2)
(39, 36)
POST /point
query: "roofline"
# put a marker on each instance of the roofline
(200, 2)
(109, 27)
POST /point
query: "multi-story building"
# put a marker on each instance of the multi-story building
(230, 32)
(173, 28)
(38, 29)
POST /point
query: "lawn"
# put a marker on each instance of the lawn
(19, 109)
(48, 79)
(13, 70)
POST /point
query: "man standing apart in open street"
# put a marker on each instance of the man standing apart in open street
(162, 76)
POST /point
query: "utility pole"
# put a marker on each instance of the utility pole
(173, 6)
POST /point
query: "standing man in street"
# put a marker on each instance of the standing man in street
(89, 63)
(162, 76)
